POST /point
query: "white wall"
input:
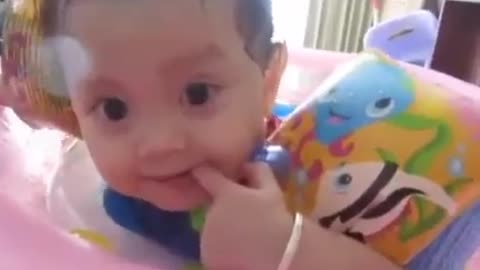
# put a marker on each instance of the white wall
(395, 8)
(290, 20)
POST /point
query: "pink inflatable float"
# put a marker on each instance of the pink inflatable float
(36, 228)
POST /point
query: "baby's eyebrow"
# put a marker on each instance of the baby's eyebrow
(98, 85)
(101, 83)
(210, 52)
(95, 81)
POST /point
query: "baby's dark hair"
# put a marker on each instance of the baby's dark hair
(253, 19)
(255, 25)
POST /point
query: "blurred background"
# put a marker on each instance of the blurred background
(339, 24)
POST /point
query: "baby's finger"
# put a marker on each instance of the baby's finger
(213, 181)
(260, 176)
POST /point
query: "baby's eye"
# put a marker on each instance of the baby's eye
(114, 109)
(197, 94)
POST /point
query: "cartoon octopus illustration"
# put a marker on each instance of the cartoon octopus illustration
(374, 91)
(380, 91)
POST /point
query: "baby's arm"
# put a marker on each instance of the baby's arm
(330, 250)
(451, 251)
(391, 192)
(322, 249)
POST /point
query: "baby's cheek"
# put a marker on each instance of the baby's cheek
(238, 155)
(112, 165)
(124, 185)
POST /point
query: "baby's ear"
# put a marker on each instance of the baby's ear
(273, 74)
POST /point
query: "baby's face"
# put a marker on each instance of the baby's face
(168, 88)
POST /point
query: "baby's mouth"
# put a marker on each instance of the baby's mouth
(171, 177)
(336, 118)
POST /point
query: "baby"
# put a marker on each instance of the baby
(172, 99)
(172, 102)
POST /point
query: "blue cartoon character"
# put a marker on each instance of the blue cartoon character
(366, 92)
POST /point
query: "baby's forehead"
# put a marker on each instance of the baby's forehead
(96, 23)
(161, 9)
(181, 28)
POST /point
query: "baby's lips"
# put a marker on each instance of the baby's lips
(202, 172)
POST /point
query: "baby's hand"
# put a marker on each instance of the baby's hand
(247, 227)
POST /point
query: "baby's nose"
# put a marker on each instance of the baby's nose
(161, 142)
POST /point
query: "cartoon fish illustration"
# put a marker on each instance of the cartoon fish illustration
(362, 199)
(369, 91)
